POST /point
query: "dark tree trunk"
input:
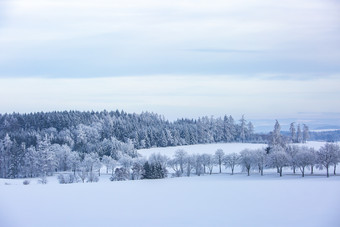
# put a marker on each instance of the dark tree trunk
(303, 171)
(327, 171)
(312, 169)
(294, 169)
(280, 171)
(334, 169)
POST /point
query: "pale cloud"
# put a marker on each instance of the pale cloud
(104, 38)
(174, 96)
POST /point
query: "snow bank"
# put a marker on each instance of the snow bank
(217, 200)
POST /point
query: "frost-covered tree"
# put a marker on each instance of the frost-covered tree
(304, 158)
(126, 162)
(46, 160)
(292, 132)
(230, 161)
(174, 164)
(180, 157)
(313, 153)
(328, 155)
(206, 159)
(92, 163)
(30, 162)
(210, 163)
(62, 154)
(247, 158)
(260, 159)
(278, 159)
(292, 152)
(74, 162)
(219, 155)
(250, 133)
(299, 134)
(5, 151)
(16, 159)
(242, 129)
(106, 160)
(153, 171)
(137, 168)
(198, 160)
(121, 174)
(189, 164)
(158, 158)
(276, 137)
(305, 133)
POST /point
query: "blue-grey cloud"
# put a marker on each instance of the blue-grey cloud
(221, 50)
(88, 39)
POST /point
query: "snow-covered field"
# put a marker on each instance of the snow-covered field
(211, 148)
(216, 200)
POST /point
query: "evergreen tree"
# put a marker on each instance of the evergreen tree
(299, 134)
(292, 132)
(305, 133)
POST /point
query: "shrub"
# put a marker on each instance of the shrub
(26, 182)
(67, 178)
(120, 174)
(92, 177)
(42, 180)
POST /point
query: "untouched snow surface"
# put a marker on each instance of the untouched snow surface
(217, 200)
(209, 200)
(211, 148)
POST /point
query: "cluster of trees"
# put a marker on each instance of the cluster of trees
(32, 144)
(329, 136)
(92, 131)
(46, 157)
(298, 135)
(296, 157)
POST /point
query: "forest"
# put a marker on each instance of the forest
(40, 144)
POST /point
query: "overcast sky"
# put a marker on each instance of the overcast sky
(180, 58)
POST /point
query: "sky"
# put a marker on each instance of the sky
(266, 59)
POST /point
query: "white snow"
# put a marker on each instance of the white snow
(217, 200)
(209, 200)
(201, 148)
(211, 148)
(325, 130)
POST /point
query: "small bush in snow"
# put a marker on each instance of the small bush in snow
(92, 177)
(42, 180)
(67, 178)
(26, 182)
(120, 174)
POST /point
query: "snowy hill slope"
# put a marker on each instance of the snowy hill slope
(217, 200)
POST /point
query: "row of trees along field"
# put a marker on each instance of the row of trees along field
(31, 147)
(88, 169)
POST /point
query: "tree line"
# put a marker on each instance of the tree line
(28, 140)
(143, 130)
